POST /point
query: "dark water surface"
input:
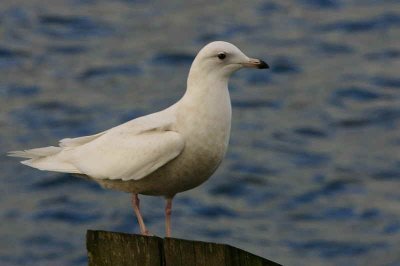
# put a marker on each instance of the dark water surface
(312, 175)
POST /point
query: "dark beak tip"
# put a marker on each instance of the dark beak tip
(263, 65)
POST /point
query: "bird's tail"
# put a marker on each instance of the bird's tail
(35, 153)
(45, 159)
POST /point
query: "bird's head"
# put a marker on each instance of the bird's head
(222, 59)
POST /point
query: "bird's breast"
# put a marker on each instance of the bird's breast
(205, 127)
(206, 130)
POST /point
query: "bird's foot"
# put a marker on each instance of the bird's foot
(146, 233)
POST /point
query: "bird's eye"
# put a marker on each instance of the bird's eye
(221, 56)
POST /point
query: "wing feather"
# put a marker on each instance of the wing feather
(74, 142)
(129, 151)
(127, 157)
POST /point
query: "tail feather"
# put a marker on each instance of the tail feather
(45, 158)
(36, 153)
(49, 164)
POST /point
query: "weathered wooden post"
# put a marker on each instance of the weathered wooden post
(109, 248)
(118, 249)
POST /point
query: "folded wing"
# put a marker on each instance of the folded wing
(125, 156)
(127, 152)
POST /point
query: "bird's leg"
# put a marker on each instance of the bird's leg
(168, 210)
(136, 208)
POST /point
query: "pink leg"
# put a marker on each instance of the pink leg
(136, 208)
(168, 210)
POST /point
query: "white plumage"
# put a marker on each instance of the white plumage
(163, 153)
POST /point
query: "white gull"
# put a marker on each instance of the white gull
(163, 153)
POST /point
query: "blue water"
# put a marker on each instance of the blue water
(313, 169)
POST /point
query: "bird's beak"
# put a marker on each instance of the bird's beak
(255, 63)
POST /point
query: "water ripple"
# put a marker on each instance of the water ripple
(335, 213)
(388, 54)
(67, 49)
(304, 158)
(382, 116)
(322, 3)
(19, 90)
(67, 216)
(390, 82)
(72, 27)
(387, 174)
(311, 132)
(380, 22)
(273, 104)
(246, 168)
(62, 180)
(105, 71)
(331, 248)
(214, 211)
(335, 48)
(392, 228)
(12, 57)
(341, 95)
(284, 65)
(229, 189)
(208, 210)
(329, 189)
(6, 53)
(173, 59)
(229, 32)
(258, 78)
(47, 242)
(61, 119)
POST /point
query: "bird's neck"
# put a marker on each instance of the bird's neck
(207, 95)
(204, 85)
(206, 99)
(205, 109)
